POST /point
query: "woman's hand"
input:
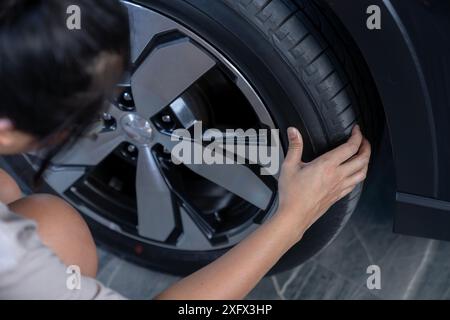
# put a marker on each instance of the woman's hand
(308, 190)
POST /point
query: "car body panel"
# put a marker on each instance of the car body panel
(409, 59)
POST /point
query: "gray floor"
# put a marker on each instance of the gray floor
(411, 268)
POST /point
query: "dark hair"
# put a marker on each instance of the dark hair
(51, 77)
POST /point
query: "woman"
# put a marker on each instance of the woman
(54, 82)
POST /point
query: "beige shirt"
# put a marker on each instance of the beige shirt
(30, 270)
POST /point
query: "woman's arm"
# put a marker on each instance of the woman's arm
(235, 274)
(307, 191)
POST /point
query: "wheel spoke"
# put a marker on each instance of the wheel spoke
(183, 113)
(155, 207)
(91, 149)
(243, 156)
(236, 178)
(145, 24)
(193, 236)
(168, 71)
(61, 179)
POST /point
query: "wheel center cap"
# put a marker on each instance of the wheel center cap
(137, 128)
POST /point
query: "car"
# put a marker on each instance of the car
(320, 65)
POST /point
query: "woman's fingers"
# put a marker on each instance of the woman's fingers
(294, 156)
(346, 192)
(355, 179)
(355, 170)
(347, 150)
(358, 162)
(350, 184)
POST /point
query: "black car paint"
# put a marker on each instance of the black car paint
(409, 59)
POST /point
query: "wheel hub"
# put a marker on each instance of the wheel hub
(137, 128)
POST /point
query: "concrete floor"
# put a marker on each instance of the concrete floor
(411, 268)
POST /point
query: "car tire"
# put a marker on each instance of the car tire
(303, 83)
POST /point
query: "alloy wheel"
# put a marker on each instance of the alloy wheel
(120, 173)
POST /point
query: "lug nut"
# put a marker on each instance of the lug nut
(107, 117)
(127, 97)
(109, 123)
(125, 102)
(167, 119)
(131, 148)
(129, 151)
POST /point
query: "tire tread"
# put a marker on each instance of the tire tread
(303, 47)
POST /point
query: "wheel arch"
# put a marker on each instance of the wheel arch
(398, 75)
